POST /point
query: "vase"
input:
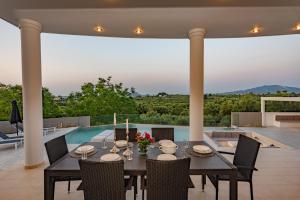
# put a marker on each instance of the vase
(143, 149)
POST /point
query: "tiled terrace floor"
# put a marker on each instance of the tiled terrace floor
(278, 178)
(287, 136)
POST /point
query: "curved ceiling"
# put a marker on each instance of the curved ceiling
(159, 18)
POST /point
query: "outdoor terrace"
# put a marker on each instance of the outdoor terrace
(279, 170)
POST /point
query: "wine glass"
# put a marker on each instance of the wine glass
(104, 143)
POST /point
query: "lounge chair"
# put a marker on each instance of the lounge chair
(5, 137)
(5, 140)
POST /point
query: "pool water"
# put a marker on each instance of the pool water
(81, 135)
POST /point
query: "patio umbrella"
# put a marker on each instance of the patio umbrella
(15, 116)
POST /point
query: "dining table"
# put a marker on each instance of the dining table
(213, 164)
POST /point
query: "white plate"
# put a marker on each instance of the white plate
(162, 142)
(110, 157)
(85, 148)
(166, 157)
(202, 149)
(121, 143)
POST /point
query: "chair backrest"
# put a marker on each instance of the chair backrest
(3, 136)
(163, 133)
(167, 180)
(103, 180)
(121, 134)
(246, 154)
(56, 148)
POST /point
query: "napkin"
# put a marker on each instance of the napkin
(85, 148)
(121, 143)
(202, 149)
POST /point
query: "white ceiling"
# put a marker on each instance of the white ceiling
(161, 22)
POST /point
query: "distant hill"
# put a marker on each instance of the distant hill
(266, 89)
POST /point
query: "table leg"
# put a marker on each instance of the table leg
(49, 186)
(233, 195)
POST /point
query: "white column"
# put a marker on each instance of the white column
(32, 92)
(263, 110)
(196, 36)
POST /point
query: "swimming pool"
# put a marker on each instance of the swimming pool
(81, 135)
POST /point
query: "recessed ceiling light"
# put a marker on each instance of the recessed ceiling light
(99, 28)
(256, 29)
(138, 30)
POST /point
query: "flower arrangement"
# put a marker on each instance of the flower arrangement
(144, 140)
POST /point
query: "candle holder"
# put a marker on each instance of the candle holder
(128, 153)
(115, 148)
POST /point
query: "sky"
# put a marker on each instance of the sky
(153, 65)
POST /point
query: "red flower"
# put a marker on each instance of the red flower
(147, 135)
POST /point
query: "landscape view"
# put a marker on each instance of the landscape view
(102, 99)
(149, 100)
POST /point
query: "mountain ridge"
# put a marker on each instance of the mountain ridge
(266, 89)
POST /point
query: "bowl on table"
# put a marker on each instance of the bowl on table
(168, 148)
(162, 142)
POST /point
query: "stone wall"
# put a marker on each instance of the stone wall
(62, 122)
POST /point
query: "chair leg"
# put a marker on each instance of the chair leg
(203, 181)
(251, 190)
(135, 187)
(69, 186)
(143, 194)
(217, 189)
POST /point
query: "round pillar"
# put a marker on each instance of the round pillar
(32, 92)
(196, 36)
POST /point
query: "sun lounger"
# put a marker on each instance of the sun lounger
(5, 137)
(15, 142)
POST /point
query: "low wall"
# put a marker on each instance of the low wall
(246, 119)
(62, 122)
(270, 119)
(65, 122)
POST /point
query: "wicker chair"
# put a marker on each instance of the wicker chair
(168, 180)
(163, 133)
(104, 180)
(56, 149)
(244, 159)
(121, 134)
